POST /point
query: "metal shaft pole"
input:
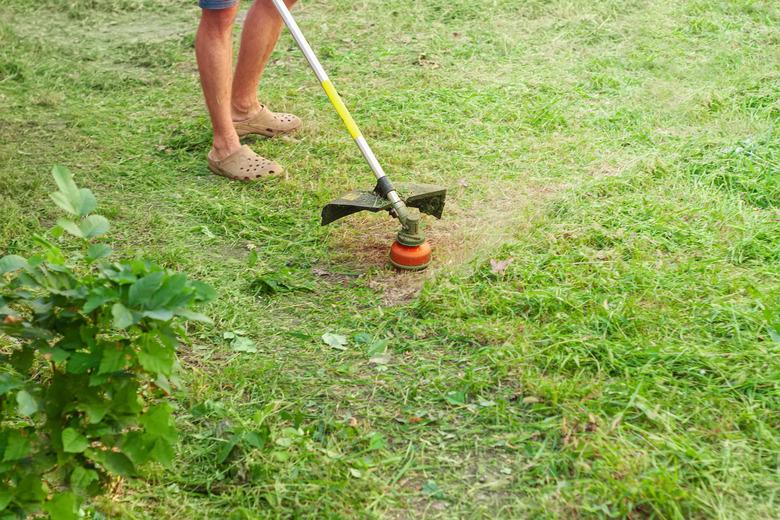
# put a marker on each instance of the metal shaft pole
(338, 104)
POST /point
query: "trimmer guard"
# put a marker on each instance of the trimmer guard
(428, 198)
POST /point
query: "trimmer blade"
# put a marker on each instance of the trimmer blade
(428, 198)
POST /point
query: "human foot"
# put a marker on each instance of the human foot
(264, 122)
(223, 148)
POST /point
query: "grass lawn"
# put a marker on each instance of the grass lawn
(622, 157)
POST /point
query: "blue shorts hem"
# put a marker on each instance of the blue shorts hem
(217, 4)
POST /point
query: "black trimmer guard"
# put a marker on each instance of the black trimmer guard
(428, 198)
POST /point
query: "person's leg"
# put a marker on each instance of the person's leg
(262, 28)
(214, 52)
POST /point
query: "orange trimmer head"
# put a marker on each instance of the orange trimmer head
(411, 258)
(410, 251)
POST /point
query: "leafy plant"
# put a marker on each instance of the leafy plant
(88, 350)
(278, 282)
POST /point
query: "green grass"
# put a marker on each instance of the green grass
(625, 155)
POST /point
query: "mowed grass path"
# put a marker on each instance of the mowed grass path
(624, 155)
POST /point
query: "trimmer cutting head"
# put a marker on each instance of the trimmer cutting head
(428, 198)
(410, 251)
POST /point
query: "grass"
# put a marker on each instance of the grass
(624, 155)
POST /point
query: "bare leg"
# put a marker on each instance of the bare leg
(214, 52)
(261, 31)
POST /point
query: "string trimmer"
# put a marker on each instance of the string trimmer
(410, 250)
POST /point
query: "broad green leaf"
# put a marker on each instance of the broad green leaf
(162, 452)
(27, 404)
(270, 284)
(30, 489)
(160, 315)
(123, 276)
(158, 421)
(194, 316)
(80, 334)
(432, 489)
(62, 200)
(154, 356)
(227, 448)
(99, 379)
(88, 204)
(82, 362)
(456, 397)
(50, 249)
(71, 227)
(363, 338)
(82, 478)
(380, 361)
(257, 439)
(99, 297)
(774, 335)
(22, 359)
(168, 336)
(377, 347)
(172, 287)
(73, 441)
(126, 398)
(336, 341)
(17, 446)
(204, 291)
(81, 206)
(142, 290)
(95, 411)
(6, 495)
(56, 232)
(64, 180)
(63, 506)
(77, 202)
(136, 445)
(112, 359)
(123, 318)
(116, 463)
(164, 383)
(56, 355)
(27, 331)
(9, 382)
(41, 306)
(242, 344)
(97, 251)
(376, 441)
(94, 226)
(12, 263)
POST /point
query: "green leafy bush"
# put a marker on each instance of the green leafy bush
(87, 354)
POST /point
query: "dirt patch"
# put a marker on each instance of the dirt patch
(466, 232)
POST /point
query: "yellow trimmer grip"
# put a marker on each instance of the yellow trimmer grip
(342, 109)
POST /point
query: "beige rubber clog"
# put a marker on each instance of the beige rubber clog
(245, 165)
(267, 123)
